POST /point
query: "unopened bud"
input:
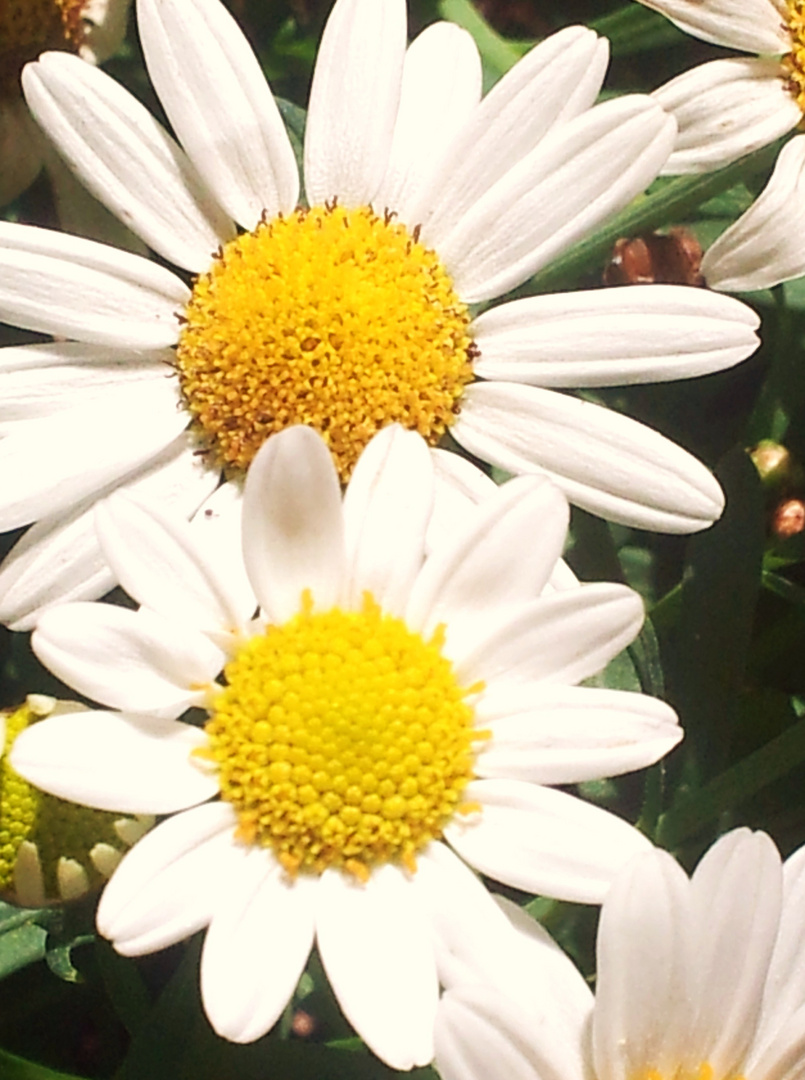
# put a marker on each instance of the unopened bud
(674, 258)
(788, 518)
(774, 464)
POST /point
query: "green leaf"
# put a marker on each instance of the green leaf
(17, 1068)
(635, 29)
(23, 933)
(497, 54)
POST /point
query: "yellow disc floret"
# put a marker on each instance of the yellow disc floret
(794, 61)
(338, 319)
(343, 739)
(29, 27)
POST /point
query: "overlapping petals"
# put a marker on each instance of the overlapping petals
(300, 534)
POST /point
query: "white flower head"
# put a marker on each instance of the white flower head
(387, 719)
(92, 29)
(727, 108)
(698, 978)
(351, 310)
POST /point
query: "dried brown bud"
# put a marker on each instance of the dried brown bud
(673, 259)
(303, 1024)
(788, 518)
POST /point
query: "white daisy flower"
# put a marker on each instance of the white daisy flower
(728, 108)
(350, 314)
(93, 29)
(699, 978)
(387, 719)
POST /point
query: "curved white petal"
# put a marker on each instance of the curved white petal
(643, 1010)
(387, 507)
(167, 887)
(441, 85)
(559, 79)
(354, 99)
(725, 109)
(59, 558)
(376, 948)
(64, 285)
(564, 735)
(755, 26)
(131, 764)
(293, 524)
(563, 637)
(126, 159)
(214, 93)
(218, 530)
(52, 463)
(613, 337)
(543, 841)
(458, 488)
(155, 558)
(763, 247)
(506, 554)
(580, 173)
(256, 947)
(133, 660)
(604, 462)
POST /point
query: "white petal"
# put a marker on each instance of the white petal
(293, 524)
(580, 173)
(167, 887)
(132, 660)
(59, 558)
(459, 487)
(481, 1033)
(564, 735)
(155, 558)
(53, 463)
(603, 461)
(132, 764)
(751, 25)
(736, 898)
(559, 79)
(353, 101)
(386, 511)
(725, 109)
(763, 247)
(441, 85)
(256, 947)
(44, 380)
(375, 946)
(218, 529)
(643, 1014)
(126, 159)
(563, 637)
(613, 337)
(21, 150)
(63, 285)
(213, 90)
(543, 841)
(505, 555)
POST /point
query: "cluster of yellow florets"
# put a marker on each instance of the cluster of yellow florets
(28, 27)
(342, 739)
(338, 319)
(794, 61)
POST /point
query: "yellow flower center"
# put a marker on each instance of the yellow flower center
(338, 319)
(343, 739)
(54, 830)
(794, 61)
(29, 27)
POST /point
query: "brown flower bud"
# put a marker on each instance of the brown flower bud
(674, 258)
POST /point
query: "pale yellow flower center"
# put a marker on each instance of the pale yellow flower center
(343, 739)
(29, 27)
(338, 319)
(704, 1071)
(794, 61)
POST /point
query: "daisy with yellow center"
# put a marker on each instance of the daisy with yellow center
(351, 308)
(698, 978)
(93, 29)
(52, 851)
(387, 719)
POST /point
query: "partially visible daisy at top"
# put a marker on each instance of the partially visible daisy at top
(727, 108)
(92, 29)
(351, 310)
(390, 719)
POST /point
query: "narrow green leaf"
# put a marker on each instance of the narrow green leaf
(497, 54)
(17, 1068)
(634, 29)
(21, 946)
